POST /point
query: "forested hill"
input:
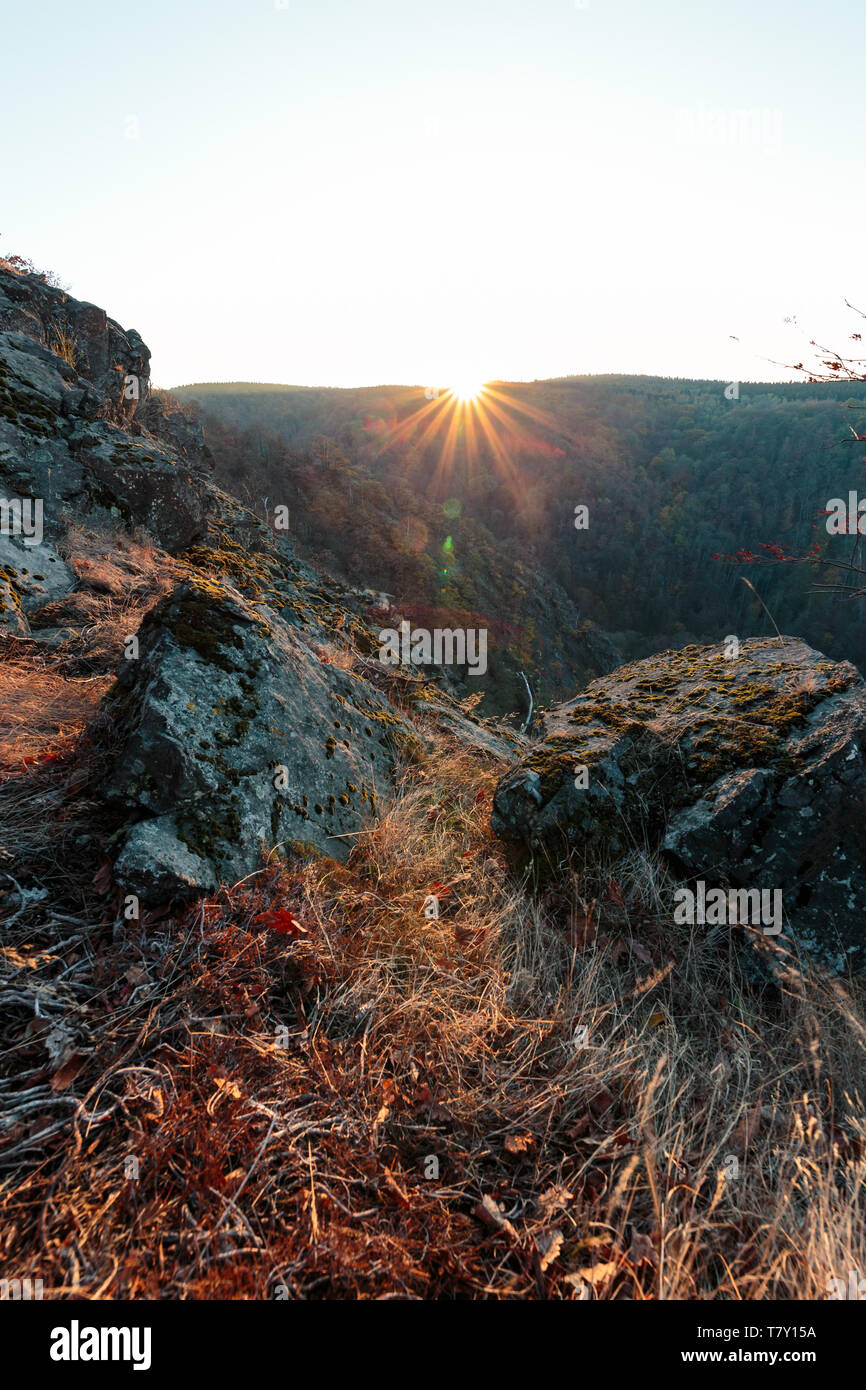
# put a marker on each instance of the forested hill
(472, 507)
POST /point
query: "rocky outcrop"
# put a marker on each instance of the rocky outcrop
(81, 436)
(491, 737)
(234, 728)
(746, 772)
(237, 728)
(104, 355)
(233, 738)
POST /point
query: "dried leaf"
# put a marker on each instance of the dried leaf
(642, 1250)
(554, 1199)
(488, 1212)
(518, 1143)
(65, 1075)
(599, 1275)
(229, 1087)
(102, 877)
(641, 952)
(281, 921)
(548, 1244)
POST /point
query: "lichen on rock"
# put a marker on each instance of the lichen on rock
(747, 771)
(223, 731)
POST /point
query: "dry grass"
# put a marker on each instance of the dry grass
(49, 691)
(118, 579)
(42, 712)
(385, 1104)
(62, 341)
(333, 654)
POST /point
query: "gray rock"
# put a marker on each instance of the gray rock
(159, 866)
(746, 772)
(12, 618)
(36, 572)
(105, 355)
(233, 738)
(493, 738)
(79, 427)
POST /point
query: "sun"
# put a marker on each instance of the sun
(467, 389)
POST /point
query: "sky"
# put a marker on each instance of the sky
(386, 191)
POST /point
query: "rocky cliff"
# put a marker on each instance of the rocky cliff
(250, 716)
(236, 727)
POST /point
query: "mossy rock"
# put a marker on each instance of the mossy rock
(747, 771)
(224, 727)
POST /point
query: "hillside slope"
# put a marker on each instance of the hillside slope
(674, 474)
(282, 1018)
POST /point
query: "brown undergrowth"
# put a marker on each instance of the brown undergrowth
(305, 1087)
(42, 711)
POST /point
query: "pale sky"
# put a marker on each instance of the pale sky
(332, 193)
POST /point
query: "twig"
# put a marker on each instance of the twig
(765, 608)
(249, 1173)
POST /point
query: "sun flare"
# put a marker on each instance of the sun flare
(467, 389)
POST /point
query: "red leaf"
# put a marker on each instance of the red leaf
(283, 922)
(102, 877)
(613, 892)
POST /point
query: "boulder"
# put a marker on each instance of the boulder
(746, 772)
(231, 738)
